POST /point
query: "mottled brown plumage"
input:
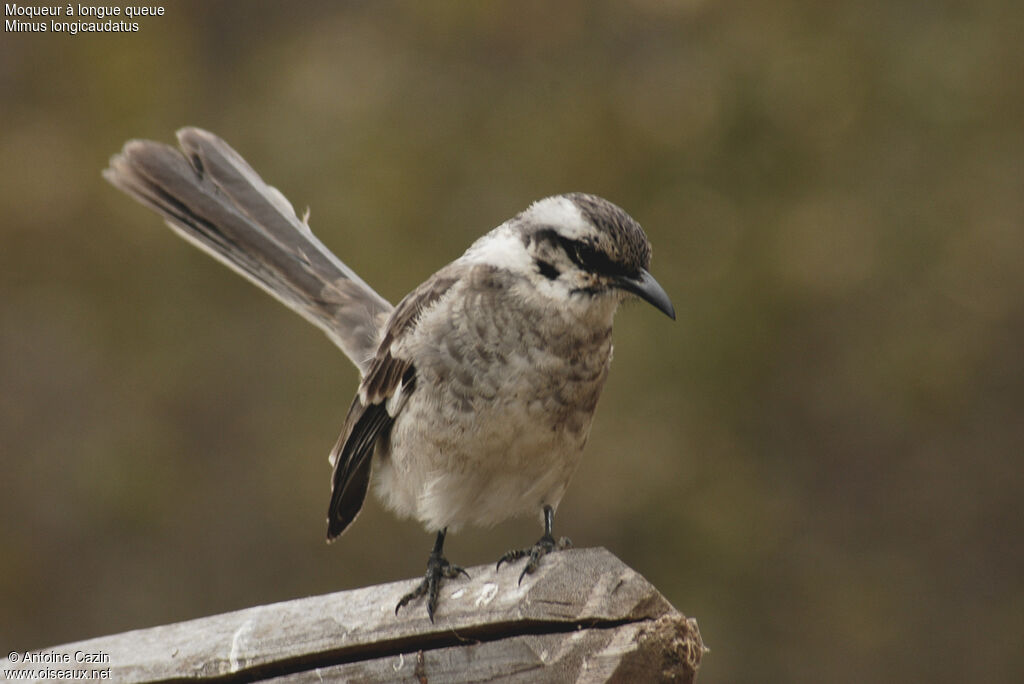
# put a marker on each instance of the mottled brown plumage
(478, 390)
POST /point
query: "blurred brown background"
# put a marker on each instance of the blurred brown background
(820, 460)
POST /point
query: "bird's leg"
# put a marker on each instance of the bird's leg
(437, 567)
(545, 545)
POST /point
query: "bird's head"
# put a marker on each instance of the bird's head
(578, 248)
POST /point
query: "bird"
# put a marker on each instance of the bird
(478, 389)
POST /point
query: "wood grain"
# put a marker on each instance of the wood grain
(583, 616)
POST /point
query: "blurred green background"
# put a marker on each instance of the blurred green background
(820, 460)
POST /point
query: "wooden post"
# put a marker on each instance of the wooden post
(584, 616)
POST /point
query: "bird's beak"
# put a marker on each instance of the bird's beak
(647, 288)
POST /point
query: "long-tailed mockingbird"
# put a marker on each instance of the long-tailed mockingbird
(479, 388)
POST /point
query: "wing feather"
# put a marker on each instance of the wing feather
(368, 420)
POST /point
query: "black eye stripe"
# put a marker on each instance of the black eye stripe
(583, 254)
(590, 259)
(573, 249)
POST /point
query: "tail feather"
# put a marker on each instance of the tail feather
(210, 196)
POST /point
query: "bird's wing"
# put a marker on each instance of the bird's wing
(384, 390)
(210, 196)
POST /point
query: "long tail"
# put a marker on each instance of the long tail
(211, 197)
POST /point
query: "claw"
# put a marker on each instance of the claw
(541, 549)
(438, 567)
(545, 545)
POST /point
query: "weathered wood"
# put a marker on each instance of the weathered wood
(583, 616)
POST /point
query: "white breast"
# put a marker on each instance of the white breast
(501, 410)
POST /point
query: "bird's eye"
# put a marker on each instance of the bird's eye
(590, 259)
(574, 249)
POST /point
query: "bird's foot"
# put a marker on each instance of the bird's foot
(438, 567)
(543, 547)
